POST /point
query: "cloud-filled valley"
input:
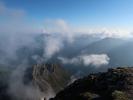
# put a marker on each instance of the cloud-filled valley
(28, 41)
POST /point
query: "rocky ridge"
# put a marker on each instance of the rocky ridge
(115, 84)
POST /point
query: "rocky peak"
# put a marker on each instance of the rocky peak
(50, 76)
(40, 69)
(115, 84)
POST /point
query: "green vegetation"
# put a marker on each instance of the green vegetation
(119, 95)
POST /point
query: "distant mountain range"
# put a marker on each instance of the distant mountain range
(119, 50)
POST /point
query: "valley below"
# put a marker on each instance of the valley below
(52, 82)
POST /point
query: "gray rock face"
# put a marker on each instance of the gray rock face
(50, 77)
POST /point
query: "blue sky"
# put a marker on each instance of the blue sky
(78, 13)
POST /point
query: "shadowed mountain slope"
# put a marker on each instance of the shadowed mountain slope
(115, 84)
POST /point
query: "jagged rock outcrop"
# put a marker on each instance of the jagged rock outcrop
(41, 81)
(115, 84)
(50, 77)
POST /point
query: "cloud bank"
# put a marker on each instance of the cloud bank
(64, 32)
(96, 60)
(66, 29)
(15, 21)
(60, 33)
(52, 46)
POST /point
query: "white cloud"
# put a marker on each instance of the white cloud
(60, 33)
(105, 32)
(56, 26)
(74, 60)
(93, 59)
(64, 31)
(52, 46)
(63, 27)
(59, 26)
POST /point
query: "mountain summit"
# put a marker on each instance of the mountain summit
(115, 84)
